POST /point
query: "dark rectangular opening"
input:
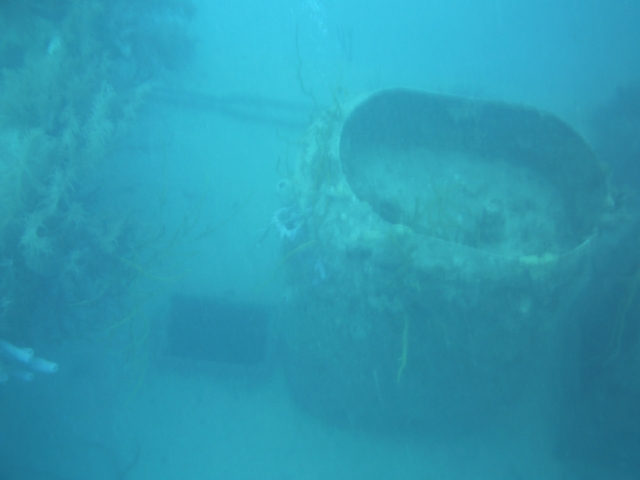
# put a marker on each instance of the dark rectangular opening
(215, 330)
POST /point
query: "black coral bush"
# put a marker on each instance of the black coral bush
(73, 74)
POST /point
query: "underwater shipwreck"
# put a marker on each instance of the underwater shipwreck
(432, 245)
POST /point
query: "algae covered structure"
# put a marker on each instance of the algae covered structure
(73, 78)
(453, 233)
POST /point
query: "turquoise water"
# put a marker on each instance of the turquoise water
(144, 148)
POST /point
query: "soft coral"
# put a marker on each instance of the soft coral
(36, 246)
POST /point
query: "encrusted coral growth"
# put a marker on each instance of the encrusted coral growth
(72, 77)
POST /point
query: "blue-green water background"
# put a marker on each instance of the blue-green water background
(207, 150)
